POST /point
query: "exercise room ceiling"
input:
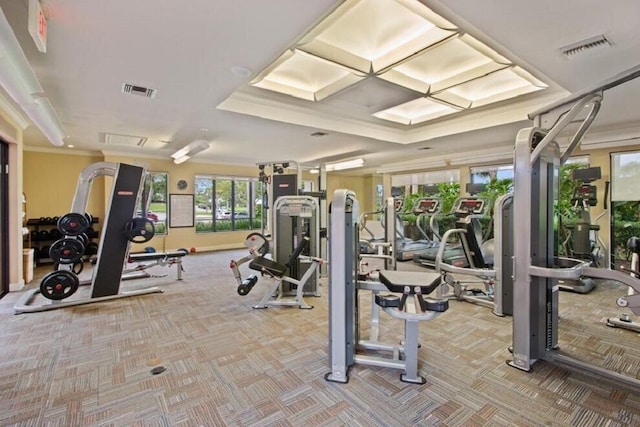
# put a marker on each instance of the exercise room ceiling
(273, 81)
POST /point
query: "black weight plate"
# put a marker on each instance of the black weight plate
(139, 230)
(59, 285)
(92, 248)
(72, 224)
(66, 251)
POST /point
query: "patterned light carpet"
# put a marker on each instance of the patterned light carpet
(230, 365)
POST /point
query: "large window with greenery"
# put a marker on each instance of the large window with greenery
(227, 203)
(153, 201)
(412, 186)
(625, 204)
(484, 174)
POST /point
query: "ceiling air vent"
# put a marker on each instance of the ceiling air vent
(118, 139)
(138, 90)
(318, 134)
(584, 46)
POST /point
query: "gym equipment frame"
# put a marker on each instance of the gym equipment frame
(537, 159)
(344, 328)
(114, 242)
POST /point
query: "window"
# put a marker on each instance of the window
(410, 187)
(153, 200)
(227, 204)
(404, 185)
(625, 204)
(484, 174)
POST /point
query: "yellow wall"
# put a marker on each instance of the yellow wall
(362, 186)
(50, 183)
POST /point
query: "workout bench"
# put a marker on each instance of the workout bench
(147, 260)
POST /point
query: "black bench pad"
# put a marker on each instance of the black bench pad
(395, 281)
(268, 265)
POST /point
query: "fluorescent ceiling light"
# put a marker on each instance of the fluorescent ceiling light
(305, 76)
(349, 164)
(20, 82)
(189, 151)
(420, 165)
(482, 157)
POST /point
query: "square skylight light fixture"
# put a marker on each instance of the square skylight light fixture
(374, 34)
(417, 111)
(498, 86)
(402, 42)
(451, 62)
(305, 76)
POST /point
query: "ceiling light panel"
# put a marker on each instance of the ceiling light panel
(374, 34)
(500, 85)
(305, 76)
(451, 62)
(416, 111)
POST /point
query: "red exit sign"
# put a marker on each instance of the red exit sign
(38, 25)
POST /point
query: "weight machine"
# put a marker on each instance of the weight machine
(295, 228)
(277, 182)
(120, 228)
(536, 270)
(345, 346)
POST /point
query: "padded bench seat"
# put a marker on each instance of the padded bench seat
(270, 266)
(396, 281)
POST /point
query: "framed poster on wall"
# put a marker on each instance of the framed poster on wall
(181, 210)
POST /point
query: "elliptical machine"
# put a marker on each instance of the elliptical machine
(582, 240)
(624, 321)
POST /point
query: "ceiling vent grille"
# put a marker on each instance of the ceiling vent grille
(584, 46)
(118, 139)
(138, 90)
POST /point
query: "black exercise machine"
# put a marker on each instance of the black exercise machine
(275, 296)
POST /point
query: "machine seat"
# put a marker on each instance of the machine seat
(396, 281)
(269, 266)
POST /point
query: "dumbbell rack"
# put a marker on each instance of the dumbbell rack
(41, 237)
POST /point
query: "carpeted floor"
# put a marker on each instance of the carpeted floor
(230, 365)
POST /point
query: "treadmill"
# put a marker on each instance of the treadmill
(407, 249)
(463, 207)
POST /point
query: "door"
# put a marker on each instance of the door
(4, 218)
